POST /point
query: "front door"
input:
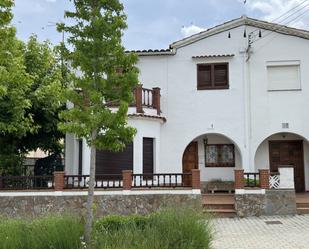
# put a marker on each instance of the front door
(189, 161)
(288, 153)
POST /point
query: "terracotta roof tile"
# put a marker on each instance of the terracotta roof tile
(147, 116)
(149, 52)
(212, 56)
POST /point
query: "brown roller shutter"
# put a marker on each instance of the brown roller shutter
(114, 162)
(221, 75)
(148, 155)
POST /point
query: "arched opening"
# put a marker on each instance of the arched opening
(285, 149)
(216, 155)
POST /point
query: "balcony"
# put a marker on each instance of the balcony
(147, 101)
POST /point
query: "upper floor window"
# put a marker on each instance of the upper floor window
(212, 76)
(283, 76)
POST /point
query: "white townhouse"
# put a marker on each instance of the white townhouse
(235, 96)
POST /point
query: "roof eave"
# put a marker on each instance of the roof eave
(237, 23)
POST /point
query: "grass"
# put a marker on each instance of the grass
(44, 233)
(168, 229)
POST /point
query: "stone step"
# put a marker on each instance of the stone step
(303, 210)
(302, 205)
(221, 213)
(215, 206)
(218, 199)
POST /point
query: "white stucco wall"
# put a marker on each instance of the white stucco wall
(146, 128)
(71, 154)
(211, 173)
(247, 113)
(149, 128)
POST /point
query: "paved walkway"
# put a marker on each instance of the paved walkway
(254, 233)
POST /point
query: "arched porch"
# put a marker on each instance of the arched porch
(285, 148)
(217, 156)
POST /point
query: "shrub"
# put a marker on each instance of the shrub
(47, 233)
(116, 222)
(169, 229)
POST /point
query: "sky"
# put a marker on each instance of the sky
(154, 24)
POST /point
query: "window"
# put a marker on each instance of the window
(80, 156)
(148, 154)
(219, 155)
(212, 76)
(111, 164)
(283, 77)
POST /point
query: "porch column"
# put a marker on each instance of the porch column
(59, 183)
(239, 179)
(286, 177)
(196, 179)
(264, 178)
(156, 99)
(139, 98)
(127, 179)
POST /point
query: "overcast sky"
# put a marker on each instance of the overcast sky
(157, 23)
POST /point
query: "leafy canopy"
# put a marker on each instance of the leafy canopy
(14, 80)
(42, 62)
(30, 89)
(105, 74)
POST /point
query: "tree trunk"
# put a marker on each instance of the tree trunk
(89, 217)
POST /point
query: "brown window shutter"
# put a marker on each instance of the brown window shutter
(80, 156)
(203, 76)
(221, 75)
(148, 155)
(108, 162)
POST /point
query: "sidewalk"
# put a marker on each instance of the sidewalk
(281, 232)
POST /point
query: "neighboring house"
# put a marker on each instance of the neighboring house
(234, 96)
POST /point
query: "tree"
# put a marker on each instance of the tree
(14, 81)
(15, 121)
(43, 63)
(105, 74)
(30, 88)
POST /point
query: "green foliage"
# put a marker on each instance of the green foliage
(97, 56)
(14, 80)
(47, 233)
(117, 222)
(30, 90)
(169, 229)
(5, 12)
(42, 63)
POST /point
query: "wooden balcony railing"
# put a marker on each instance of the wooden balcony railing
(161, 180)
(101, 181)
(125, 181)
(147, 98)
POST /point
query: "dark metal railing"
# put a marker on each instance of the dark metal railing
(101, 181)
(251, 180)
(26, 182)
(161, 180)
(105, 181)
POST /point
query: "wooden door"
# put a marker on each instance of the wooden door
(288, 153)
(189, 161)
